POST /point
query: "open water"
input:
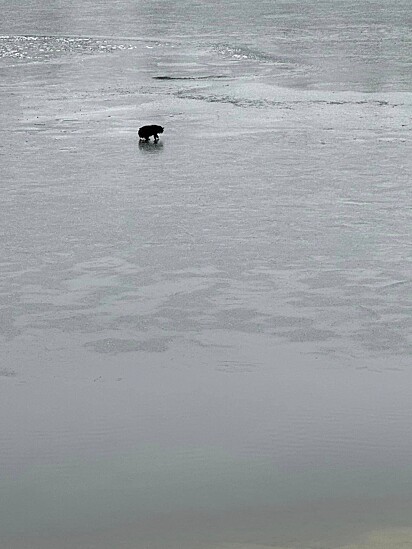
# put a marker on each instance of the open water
(205, 342)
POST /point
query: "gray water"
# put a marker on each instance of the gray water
(205, 342)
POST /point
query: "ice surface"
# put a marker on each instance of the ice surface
(204, 340)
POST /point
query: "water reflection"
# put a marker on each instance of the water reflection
(151, 146)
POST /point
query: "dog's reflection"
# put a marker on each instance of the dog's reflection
(151, 146)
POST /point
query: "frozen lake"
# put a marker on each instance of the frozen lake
(205, 342)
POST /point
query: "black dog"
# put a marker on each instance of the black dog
(146, 131)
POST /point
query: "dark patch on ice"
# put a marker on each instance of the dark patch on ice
(370, 312)
(246, 102)
(117, 345)
(8, 330)
(235, 367)
(383, 338)
(236, 101)
(311, 334)
(85, 323)
(393, 285)
(291, 322)
(210, 345)
(241, 319)
(206, 77)
(7, 373)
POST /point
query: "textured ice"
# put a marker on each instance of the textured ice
(205, 341)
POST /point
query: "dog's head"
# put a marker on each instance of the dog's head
(160, 129)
